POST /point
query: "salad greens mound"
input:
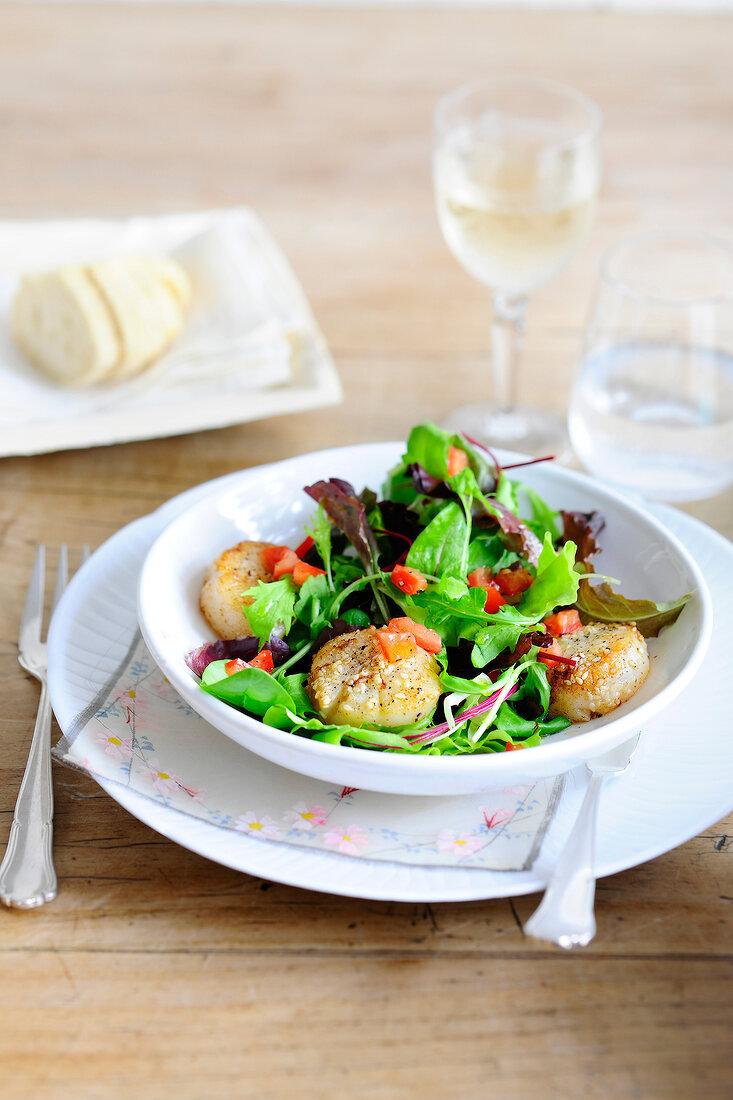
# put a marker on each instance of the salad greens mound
(475, 561)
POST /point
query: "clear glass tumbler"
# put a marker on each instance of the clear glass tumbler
(516, 166)
(652, 401)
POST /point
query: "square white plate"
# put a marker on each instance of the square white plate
(37, 416)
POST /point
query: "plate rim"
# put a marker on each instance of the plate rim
(384, 881)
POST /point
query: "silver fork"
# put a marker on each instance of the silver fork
(27, 875)
(565, 914)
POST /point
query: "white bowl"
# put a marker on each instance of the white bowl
(268, 503)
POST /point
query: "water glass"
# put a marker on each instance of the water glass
(652, 401)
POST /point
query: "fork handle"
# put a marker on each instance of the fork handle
(565, 915)
(27, 876)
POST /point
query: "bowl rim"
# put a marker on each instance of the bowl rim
(237, 725)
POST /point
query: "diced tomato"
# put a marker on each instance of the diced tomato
(304, 547)
(513, 581)
(494, 599)
(545, 655)
(427, 639)
(263, 660)
(286, 563)
(457, 460)
(271, 555)
(480, 577)
(408, 580)
(564, 622)
(302, 571)
(511, 747)
(235, 665)
(396, 644)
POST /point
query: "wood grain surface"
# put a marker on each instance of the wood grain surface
(156, 973)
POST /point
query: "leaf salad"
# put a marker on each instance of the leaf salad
(454, 555)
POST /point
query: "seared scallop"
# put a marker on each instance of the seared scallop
(352, 683)
(228, 577)
(612, 662)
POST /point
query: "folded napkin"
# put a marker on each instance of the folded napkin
(138, 732)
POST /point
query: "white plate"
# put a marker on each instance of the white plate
(269, 503)
(679, 783)
(38, 416)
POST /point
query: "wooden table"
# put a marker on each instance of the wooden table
(156, 973)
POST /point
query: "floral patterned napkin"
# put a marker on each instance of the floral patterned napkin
(138, 732)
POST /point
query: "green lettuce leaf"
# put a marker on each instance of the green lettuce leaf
(272, 607)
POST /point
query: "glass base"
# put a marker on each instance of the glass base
(528, 430)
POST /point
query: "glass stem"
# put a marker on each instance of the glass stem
(507, 342)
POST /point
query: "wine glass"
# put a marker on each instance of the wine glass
(516, 166)
(651, 407)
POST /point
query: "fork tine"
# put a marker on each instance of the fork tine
(62, 576)
(30, 624)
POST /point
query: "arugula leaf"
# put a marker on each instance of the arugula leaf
(451, 608)
(556, 583)
(320, 532)
(272, 607)
(599, 603)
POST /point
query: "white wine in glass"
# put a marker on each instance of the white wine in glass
(516, 167)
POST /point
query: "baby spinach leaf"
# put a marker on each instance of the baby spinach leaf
(427, 446)
(439, 548)
(253, 689)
